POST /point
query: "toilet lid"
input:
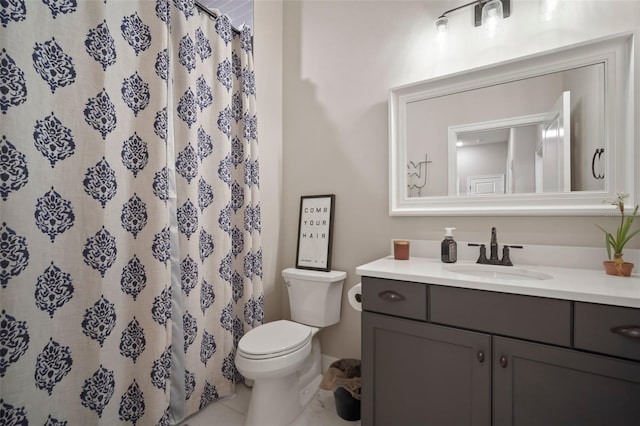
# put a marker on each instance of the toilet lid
(274, 339)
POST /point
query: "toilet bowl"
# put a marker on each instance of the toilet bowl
(283, 357)
(281, 370)
(274, 349)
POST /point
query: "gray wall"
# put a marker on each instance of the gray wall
(479, 160)
(268, 57)
(339, 59)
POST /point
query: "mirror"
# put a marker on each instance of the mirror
(546, 134)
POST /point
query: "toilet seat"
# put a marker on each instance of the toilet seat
(274, 339)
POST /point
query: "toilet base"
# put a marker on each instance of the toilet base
(308, 392)
(274, 402)
(279, 401)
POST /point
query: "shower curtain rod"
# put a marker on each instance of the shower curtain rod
(214, 15)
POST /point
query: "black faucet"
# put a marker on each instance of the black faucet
(494, 247)
(493, 256)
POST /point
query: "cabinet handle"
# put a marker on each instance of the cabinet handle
(630, 331)
(503, 361)
(480, 356)
(391, 296)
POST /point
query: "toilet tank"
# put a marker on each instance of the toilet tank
(315, 297)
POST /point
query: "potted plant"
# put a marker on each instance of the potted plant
(615, 242)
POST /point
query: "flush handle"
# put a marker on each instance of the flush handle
(630, 331)
(391, 296)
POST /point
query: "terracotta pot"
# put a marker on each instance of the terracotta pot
(616, 268)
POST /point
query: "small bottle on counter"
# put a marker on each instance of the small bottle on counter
(449, 247)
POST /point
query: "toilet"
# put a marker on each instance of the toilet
(283, 357)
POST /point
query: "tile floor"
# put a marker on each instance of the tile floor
(231, 411)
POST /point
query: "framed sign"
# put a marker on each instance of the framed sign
(315, 232)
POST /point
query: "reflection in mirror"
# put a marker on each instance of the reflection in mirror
(418, 176)
(519, 137)
(485, 160)
(515, 155)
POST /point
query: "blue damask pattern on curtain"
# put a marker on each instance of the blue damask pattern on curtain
(217, 201)
(116, 198)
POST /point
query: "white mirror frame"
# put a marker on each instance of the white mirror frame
(619, 54)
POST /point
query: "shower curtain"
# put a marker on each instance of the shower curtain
(130, 253)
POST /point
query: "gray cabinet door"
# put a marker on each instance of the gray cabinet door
(414, 373)
(535, 384)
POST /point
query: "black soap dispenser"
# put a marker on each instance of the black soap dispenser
(449, 247)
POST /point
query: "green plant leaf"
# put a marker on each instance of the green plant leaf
(622, 236)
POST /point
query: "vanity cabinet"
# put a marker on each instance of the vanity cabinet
(536, 384)
(462, 356)
(415, 373)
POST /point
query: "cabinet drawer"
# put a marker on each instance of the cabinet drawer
(527, 317)
(398, 298)
(606, 329)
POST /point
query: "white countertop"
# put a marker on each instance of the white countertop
(584, 285)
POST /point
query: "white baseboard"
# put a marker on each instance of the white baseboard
(327, 361)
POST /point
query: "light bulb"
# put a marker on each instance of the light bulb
(442, 24)
(547, 9)
(492, 12)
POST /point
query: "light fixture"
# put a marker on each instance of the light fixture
(493, 9)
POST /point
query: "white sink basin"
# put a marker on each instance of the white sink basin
(497, 272)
